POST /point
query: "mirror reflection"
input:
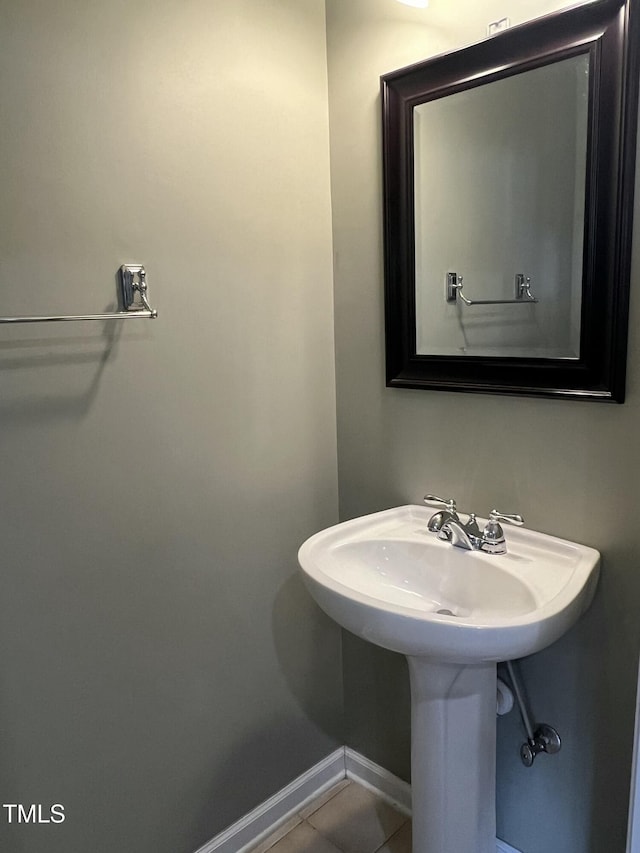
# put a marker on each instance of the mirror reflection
(499, 195)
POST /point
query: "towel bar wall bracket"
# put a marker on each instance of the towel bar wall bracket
(523, 293)
(133, 297)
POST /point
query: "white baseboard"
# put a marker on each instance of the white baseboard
(503, 847)
(344, 763)
(267, 817)
(376, 778)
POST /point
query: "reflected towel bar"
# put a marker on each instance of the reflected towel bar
(523, 292)
(132, 279)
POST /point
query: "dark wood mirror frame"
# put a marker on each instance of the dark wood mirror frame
(607, 31)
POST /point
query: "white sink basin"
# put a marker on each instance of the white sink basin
(454, 613)
(386, 578)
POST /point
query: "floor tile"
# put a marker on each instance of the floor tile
(320, 801)
(304, 839)
(356, 820)
(400, 842)
(283, 830)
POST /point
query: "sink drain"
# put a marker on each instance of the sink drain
(445, 612)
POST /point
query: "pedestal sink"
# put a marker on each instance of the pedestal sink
(454, 614)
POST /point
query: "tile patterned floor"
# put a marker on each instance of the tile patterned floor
(346, 819)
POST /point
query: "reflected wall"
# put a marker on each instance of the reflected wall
(499, 172)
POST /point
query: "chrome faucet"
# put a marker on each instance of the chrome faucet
(448, 526)
(460, 535)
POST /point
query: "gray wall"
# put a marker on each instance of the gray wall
(161, 669)
(571, 468)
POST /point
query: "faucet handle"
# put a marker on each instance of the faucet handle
(448, 503)
(495, 515)
(447, 513)
(493, 541)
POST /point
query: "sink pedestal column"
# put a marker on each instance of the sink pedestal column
(453, 756)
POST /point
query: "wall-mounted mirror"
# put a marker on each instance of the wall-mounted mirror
(509, 170)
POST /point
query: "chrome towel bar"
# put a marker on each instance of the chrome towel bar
(133, 292)
(522, 289)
